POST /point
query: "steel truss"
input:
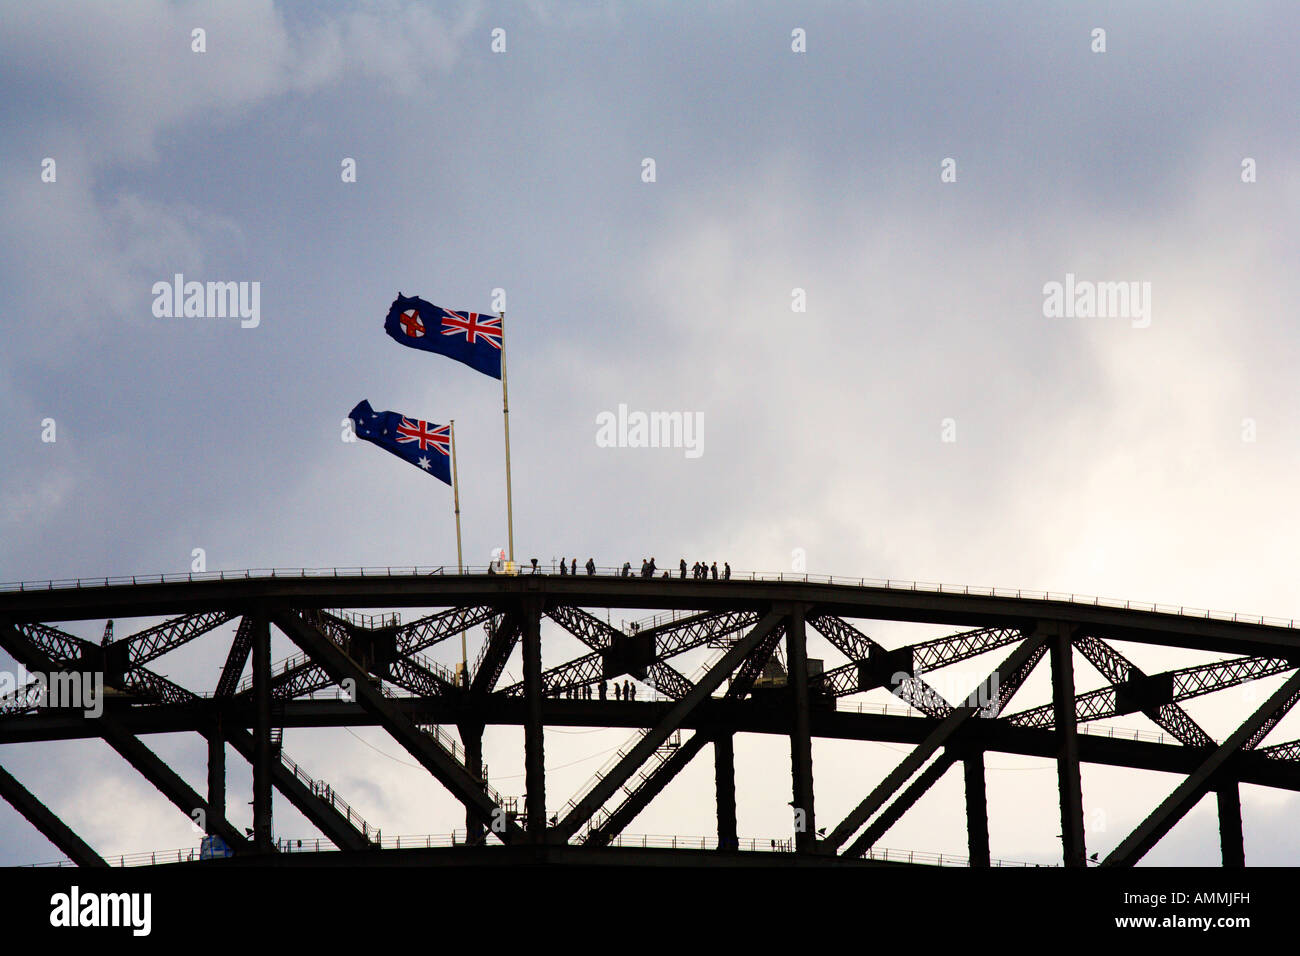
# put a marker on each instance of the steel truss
(380, 669)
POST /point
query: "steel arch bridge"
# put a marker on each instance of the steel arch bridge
(391, 684)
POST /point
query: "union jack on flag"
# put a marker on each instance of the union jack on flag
(426, 446)
(474, 326)
(425, 436)
(470, 337)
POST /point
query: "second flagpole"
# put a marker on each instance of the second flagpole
(460, 567)
(505, 414)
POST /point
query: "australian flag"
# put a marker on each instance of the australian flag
(426, 446)
(469, 337)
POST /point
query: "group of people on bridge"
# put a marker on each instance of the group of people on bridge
(700, 571)
(623, 691)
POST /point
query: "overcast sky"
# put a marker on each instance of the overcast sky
(919, 175)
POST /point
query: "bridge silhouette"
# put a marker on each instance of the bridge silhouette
(356, 669)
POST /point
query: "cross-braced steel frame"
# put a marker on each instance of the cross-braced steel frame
(390, 683)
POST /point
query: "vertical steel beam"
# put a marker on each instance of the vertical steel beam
(1068, 779)
(471, 735)
(216, 777)
(1230, 837)
(534, 757)
(724, 772)
(977, 810)
(262, 733)
(796, 649)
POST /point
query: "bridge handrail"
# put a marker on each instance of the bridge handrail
(327, 793)
(782, 576)
(458, 837)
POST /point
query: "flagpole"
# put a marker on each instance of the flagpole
(460, 568)
(505, 414)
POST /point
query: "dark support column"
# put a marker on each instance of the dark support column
(262, 734)
(534, 758)
(471, 735)
(1067, 749)
(796, 651)
(216, 777)
(1230, 838)
(977, 810)
(724, 771)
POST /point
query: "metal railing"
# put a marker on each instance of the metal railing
(368, 621)
(638, 841)
(449, 744)
(784, 576)
(327, 793)
(643, 773)
(279, 667)
(433, 667)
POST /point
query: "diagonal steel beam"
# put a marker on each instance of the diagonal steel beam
(575, 673)
(1187, 683)
(420, 635)
(1118, 669)
(1012, 682)
(153, 642)
(894, 812)
(646, 790)
(44, 647)
(857, 647)
(408, 669)
(336, 825)
(675, 637)
(49, 645)
(325, 816)
(599, 636)
(419, 676)
(433, 757)
(167, 781)
(23, 699)
(651, 784)
(605, 788)
(45, 820)
(941, 651)
(240, 648)
(1199, 781)
(1290, 750)
(496, 651)
(923, 751)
